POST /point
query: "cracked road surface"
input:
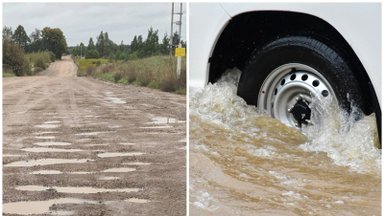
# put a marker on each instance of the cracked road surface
(80, 146)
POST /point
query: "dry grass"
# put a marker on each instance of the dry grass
(155, 72)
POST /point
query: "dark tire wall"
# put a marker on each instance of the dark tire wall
(304, 50)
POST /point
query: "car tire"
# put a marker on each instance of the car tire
(284, 77)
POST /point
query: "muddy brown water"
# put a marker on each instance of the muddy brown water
(79, 146)
(246, 163)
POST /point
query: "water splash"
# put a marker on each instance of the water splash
(346, 141)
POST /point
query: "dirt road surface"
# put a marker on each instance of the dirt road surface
(79, 146)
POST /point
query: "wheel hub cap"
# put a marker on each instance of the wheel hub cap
(301, 112)
(289, 93)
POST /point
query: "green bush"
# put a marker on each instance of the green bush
(27, 68)
(40, 60)
(117, 76)
(155, 72)
(13, 57)
(40, 63)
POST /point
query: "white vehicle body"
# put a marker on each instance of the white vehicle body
(358, 23)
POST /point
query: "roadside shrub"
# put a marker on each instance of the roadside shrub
(90, 70)
(40, 60)
(52, 56)
(26, 67)
(123, 81)
(40, 63)
(117, 76)
(13, 57)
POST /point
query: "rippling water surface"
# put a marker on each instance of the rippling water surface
(245, 163)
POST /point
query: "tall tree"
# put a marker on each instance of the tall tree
(134, 44)
(121, 46)
(108, 45)
(36, 42)
(91, 50)
(82, 49)
(7, 33)
(54, 40)
(151, 43)
(100, 44)
(139, 42)
(20, 37)
(164, 47)
(35, 36)
(91, 44)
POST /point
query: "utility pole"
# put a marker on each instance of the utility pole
(178, 67)
(171, 39)
(179, 23)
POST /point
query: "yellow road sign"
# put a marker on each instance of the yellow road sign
(180, 52)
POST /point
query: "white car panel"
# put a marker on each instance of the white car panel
(358, 23)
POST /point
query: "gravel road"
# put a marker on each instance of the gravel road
(80, 146)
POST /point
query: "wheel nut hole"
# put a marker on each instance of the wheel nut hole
(304, 77)
(325, 93)
(293, 77)
(282, 82)
(275, 92)
(316, 83)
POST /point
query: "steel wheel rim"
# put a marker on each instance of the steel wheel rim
(289, 93)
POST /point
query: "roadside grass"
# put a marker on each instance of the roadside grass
(158, 72)
(38, 61)
(8, 73)
(86, 66)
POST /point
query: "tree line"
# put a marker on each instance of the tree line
(138, 48)
(17, 43)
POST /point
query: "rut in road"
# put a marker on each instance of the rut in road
(75, 145)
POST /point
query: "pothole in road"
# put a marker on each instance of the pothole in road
(119, 154)
(40, 207)
(52, 143)
(119, 170)
(163, 120)
(114, 126)
(81, 173)
(157, 127)
(95, 145)
(46, 161)
(12, 155)
(76, 190)
(47, 126)
(56, 172)
(95, 133)
(108, 178)
(45, 132)
(137, 200)
(46, 172)
(52, 122)
(127, 144)
(116, 100)
(42, 150)
(45, 137)
(110, 97)
(136, 164)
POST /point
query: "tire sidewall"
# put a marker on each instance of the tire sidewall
(304, 51)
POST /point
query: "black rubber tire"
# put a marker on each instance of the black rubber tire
(307, 51)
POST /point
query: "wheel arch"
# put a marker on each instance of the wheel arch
(247, 31)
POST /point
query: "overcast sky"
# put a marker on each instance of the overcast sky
(80, 21)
